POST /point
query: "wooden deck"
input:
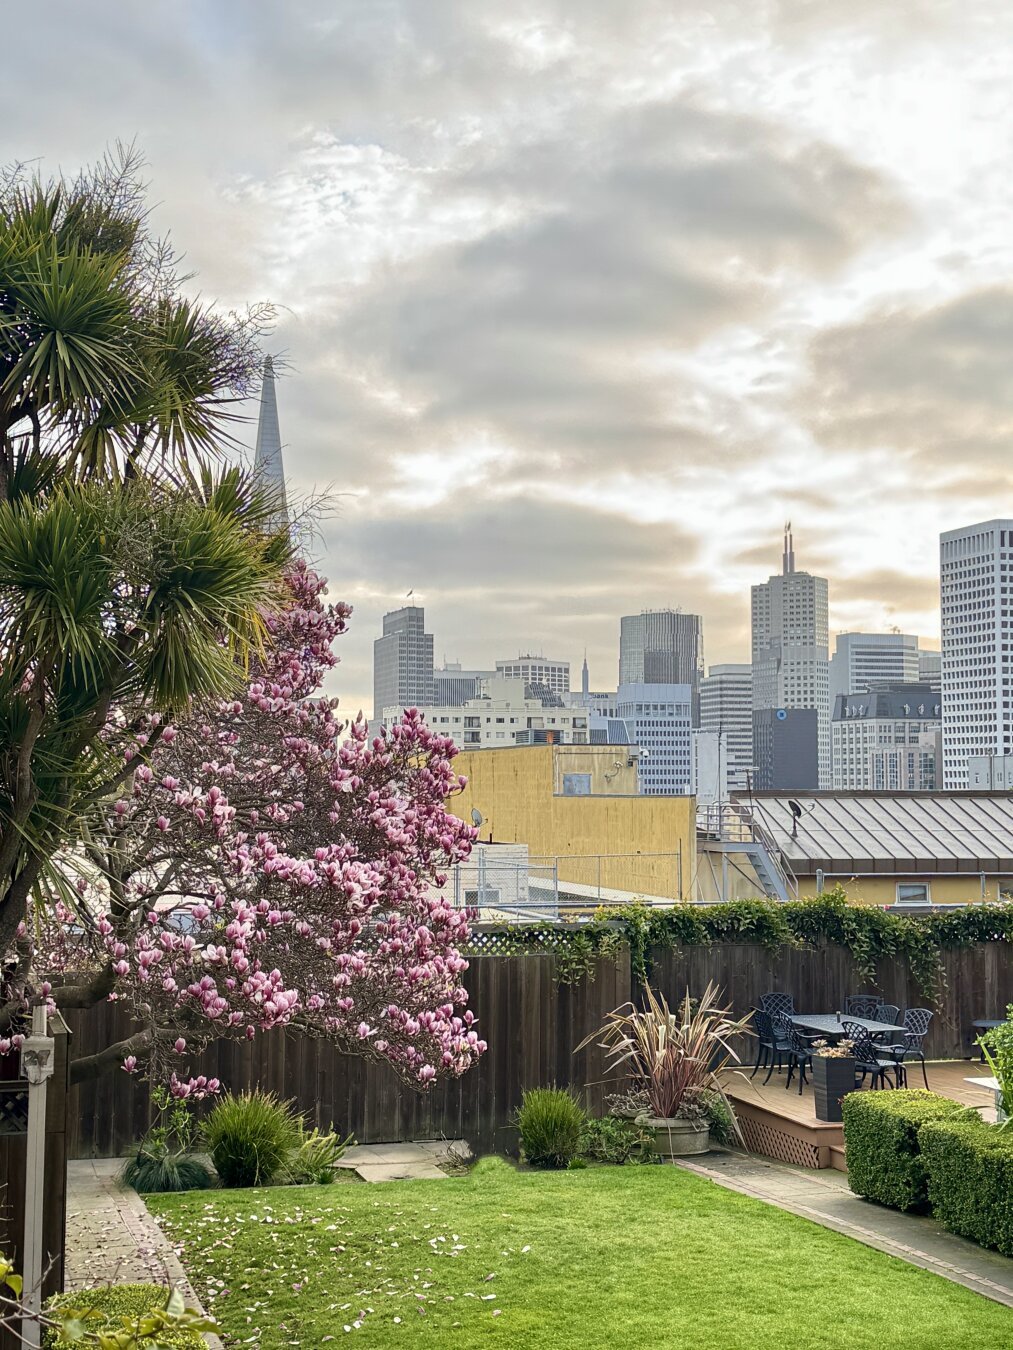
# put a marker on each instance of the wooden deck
(781, 1124)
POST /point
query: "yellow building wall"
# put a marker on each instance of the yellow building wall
(622, 841)
(883, 890)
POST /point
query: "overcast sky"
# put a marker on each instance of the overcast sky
(582, 299)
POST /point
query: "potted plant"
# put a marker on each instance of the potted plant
(833, 1077)
(672, 1058)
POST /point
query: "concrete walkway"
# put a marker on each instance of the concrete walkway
(824, 1196)
(426, 1159)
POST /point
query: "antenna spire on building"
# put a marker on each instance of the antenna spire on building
(267, 461)
(585, 677)
(788, 560)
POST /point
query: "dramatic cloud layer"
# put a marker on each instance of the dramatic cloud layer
(582, 300)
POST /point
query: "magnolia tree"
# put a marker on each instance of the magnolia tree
(267, 866)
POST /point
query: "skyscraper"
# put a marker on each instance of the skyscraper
(976, 575)
(267, 459)
(662, 646)
(726, 706)
(790, 649)
(861, 660)
(403, 662)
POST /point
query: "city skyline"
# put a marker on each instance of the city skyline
(798, 228)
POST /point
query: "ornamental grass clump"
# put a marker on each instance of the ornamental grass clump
(251, 1137)
(551, 1122)
(672, 1055)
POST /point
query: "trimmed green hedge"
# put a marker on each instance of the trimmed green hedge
(970, 1175)
(881, 1133)
(122, 1300)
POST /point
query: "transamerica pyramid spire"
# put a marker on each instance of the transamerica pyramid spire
(267, 460)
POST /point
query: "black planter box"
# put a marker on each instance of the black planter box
(832, 1080)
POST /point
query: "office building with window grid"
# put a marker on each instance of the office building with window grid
(403, 662)
(976, 610)
(791, 669)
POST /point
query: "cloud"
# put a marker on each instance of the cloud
(936, 383)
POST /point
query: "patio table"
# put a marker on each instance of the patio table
(828, 1025)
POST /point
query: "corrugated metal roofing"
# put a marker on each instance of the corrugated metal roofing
(881, 832)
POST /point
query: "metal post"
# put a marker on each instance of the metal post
(599, 878)
(37, 1067)
(819, 881)
(681, 896)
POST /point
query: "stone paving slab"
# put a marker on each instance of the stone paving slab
(405, 1162)
(825, 1197)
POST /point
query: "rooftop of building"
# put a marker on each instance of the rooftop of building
(902, 832)
(894, 702)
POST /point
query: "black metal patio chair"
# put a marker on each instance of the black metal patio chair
(799, 1051)
(770, 1048)
(777, 1003)
(862, 1005)
(916, 1024)
(868, 1059)
(888, 1013)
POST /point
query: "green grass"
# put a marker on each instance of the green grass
(643, 1258)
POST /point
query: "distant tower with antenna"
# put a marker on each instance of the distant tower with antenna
(268, 465)
(585, 678)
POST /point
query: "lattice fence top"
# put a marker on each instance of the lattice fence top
(518, 941)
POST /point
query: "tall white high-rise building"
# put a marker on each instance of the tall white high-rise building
(790, 648)
(976, 581)
(726, 707)
(555, 675)
(861, 660)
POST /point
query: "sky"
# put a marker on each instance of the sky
(579, 301)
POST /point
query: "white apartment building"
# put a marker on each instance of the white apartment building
(861, 660)
(790, 648)
(884, 741)
(976, 602)
(657, 718)
(555, 675)
(726, 706)
(502, 716)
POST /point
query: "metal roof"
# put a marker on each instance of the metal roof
(890, 832)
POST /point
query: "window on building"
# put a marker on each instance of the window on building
(912, 893)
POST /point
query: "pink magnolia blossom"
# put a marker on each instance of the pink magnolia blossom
(275, 867)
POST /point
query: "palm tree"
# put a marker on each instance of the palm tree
(134, 575)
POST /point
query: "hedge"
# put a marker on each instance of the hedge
(122, 1300)
(881, 1135)
(869, 933)
(970, 1175)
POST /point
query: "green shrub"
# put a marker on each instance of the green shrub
(150, 1170)
(610, 1139)
(970, 1171)
(250, 1137)
(314, 1158)
(881, 1136)
(550, 1121)
(120, 1306)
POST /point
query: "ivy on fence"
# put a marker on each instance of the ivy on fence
(870, 934)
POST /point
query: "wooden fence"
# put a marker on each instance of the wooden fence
(532, 1024)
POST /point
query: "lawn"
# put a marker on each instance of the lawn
(631, 1257)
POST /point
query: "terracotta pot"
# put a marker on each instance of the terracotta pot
(678, 1138)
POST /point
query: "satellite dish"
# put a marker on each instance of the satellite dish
(794, 808)
(476, 817)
